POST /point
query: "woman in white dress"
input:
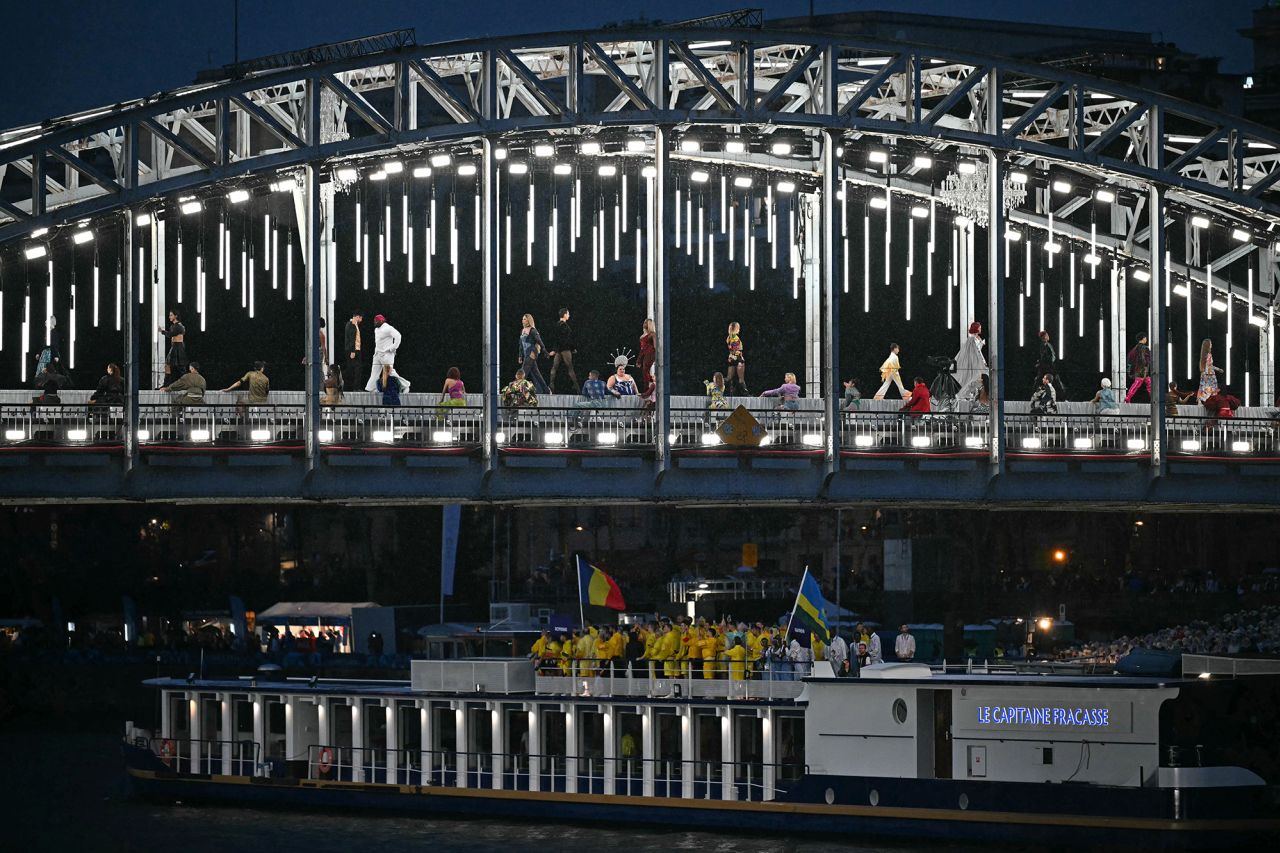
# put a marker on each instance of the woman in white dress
(971, 364)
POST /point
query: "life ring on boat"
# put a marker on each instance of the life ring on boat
(166, 750)
(326, 760)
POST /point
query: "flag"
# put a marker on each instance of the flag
(595, 587)
(811, 608)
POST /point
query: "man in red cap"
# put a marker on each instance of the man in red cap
(386, 340)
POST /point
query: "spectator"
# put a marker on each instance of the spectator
(595, 393)
(189, 388)
(258, 383)
(863, 657)
(918, 401)
(454, 392)
(332, 395)
(110, 390)
(1106, 401)
(1045, 399)
(789, 391)
(852, 397)
(519, 393)
(904, 645)
(837, 653)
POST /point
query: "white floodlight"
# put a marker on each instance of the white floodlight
(238, 196)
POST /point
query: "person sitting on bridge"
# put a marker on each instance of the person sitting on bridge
(595, 394)
(50, 396)
(189, 388)
(519, 393)
(918, 402)
(1045, 399)
(259, 386)
(110, 390)
(852, 397)
(789, 391)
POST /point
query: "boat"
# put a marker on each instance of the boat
(984, 754)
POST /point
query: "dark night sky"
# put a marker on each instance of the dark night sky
(61, 56)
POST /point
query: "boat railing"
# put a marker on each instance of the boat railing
(201, 756)
(692, 678)
(517, 771)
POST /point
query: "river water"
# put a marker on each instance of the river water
(64, 790)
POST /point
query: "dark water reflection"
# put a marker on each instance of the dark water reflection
(65, 791)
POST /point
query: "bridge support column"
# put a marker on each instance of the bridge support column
(659, 293)
(159, 317)
(832, 248)
(996, 169)
(490, 296)
(130, 274)
(1266, 362)
(1159, 314)
(311, 241)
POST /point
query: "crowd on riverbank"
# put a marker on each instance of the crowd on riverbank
(1244, 632)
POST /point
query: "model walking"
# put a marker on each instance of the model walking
(1139, 369)
(563, 347)
(971, 364)
(1208, 372)
(530, 348)
(737, 372)
(891, 374)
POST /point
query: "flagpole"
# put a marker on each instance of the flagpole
(796, 603)
(577, 569)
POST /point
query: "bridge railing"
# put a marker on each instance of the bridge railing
(875, 432)
(606, 429)
(1120, 435)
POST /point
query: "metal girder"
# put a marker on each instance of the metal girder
(770, 78)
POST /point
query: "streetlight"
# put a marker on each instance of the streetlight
(1059, 556)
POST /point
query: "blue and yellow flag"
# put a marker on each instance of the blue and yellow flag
(811, 608)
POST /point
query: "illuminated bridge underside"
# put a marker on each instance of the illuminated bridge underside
(839, 93)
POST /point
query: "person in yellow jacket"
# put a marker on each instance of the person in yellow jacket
(617, 646)
(584, 652)
(756, 640)
(710, 648)
(566, 653)
(649, 634)
(696, 633)
(686, 638)
(539, 650)
(737, 655)
(551, 658)
(665, 650)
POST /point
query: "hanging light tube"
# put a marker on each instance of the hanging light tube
(528, 227)
(1208, 291)
(1022, 317)
(288, 271)
(453, 237)
(383, 252)
(1041, 325)
(595, 253)
(432, 230)
(409, 247)
(266, 241)
(1049, 242)
(119, 276)
(617, 231)
(702, 249)
(178, 272)
(200, 290)
(911, 257)
(551, 251)
(222, 236)
(1190, 374)
(1071, 280)
(601, 253)
(364, 267)
(639, 266)
(928, 281)
(404, 220)
(731, 231)
(475, 217)
(711, 262)
(888, 231)
(386, 225)
(724, 202)
(71, 333)
(1168, 276)
(95, 294)
(1230, 329)
(624, 203)
(358, 229)
(866, 260)
(678, 212)
(252, 300)
(273, 259)
(1026, 275)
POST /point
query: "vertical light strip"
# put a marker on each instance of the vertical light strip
(528, 225)
(711, 261)
(911, 257)
(118, 299)
(226, 258)
(768, 203)
(844, 256)
(1093, 248)
(252, 298)
(475, 217)
(600, 215)
(364, 267)
(222, 238)
(1022, 317)
(359, 231)
(679, 211)
(1041, 324)
(731, 235)
(746, 234)
(1026, 254)
(624, 202)
(383, 252)
(95, 294)
(888, 231)
(617, 231)
(1080, 306)
(702, 249)
(688, 224)
(71, 333)
(1049, 242)
(1208, 292)
(404, 220)
(244, 273)
(1168, 276)
(288, 269)
(201, 286)
(573, 222)
(595, 253)
(577, 213)
(408, 238)
(508, 242)
(1071, 279)
(386, 223)
(551, 251)
(26, 332)
(639, 265)
(1230, 330)
(1062, 340)
(1190, 287)
(724, 202)
(844, 207)
(273, 259)
(433, 230)
(928, 281)
(453, 236)
(178, 271)
(266, 241)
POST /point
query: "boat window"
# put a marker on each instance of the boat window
(900, 711)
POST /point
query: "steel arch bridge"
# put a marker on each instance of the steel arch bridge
(835, 102)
